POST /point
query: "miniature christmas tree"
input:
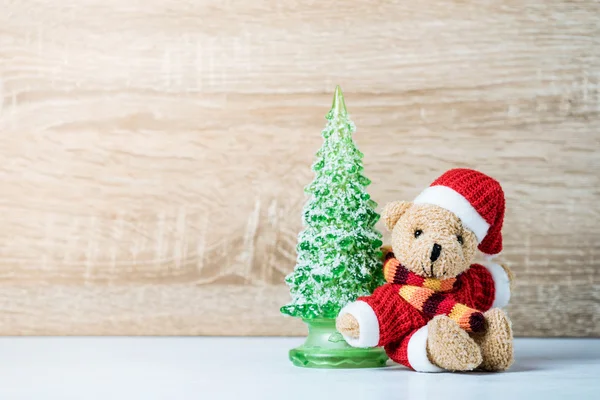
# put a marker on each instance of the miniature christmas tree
(339, 251)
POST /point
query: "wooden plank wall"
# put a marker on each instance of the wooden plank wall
(153, 153)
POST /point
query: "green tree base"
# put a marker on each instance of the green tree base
(325, 348)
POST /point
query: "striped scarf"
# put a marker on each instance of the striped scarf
(429, 295)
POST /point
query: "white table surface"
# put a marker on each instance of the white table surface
(258, 368)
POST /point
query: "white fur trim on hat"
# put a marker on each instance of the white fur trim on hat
(489, 257)
(501, 284)
(417, 352)
(367, 323)
(451, 200)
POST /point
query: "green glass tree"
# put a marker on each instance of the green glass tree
(339, 250)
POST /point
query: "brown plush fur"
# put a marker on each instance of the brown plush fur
(496, 343)
(448, 346)
(349, 325)
(438, 226)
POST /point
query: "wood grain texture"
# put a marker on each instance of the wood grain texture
(153, 153)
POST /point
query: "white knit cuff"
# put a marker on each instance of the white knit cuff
(501, 284)
(367, 323)
(417, 352)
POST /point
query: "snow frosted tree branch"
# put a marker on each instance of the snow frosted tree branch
(339, 250)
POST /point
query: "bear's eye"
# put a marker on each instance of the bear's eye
(418, 233)
(460, 239)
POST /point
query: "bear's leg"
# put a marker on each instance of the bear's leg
(411, 351)
(450, 347)
(497, 342)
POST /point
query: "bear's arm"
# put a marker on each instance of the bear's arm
(383, 317)
(484, 286)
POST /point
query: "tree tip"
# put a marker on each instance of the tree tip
(339, 105)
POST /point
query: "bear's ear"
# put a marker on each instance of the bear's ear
(393, 211)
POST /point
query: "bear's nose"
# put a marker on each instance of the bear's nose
(435, 253)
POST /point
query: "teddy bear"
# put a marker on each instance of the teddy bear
(440, 311)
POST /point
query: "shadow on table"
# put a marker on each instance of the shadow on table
(536, 362)
(527, 362)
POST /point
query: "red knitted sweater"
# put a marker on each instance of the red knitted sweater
(398, 319)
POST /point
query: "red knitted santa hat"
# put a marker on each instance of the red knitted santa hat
(476, 199)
